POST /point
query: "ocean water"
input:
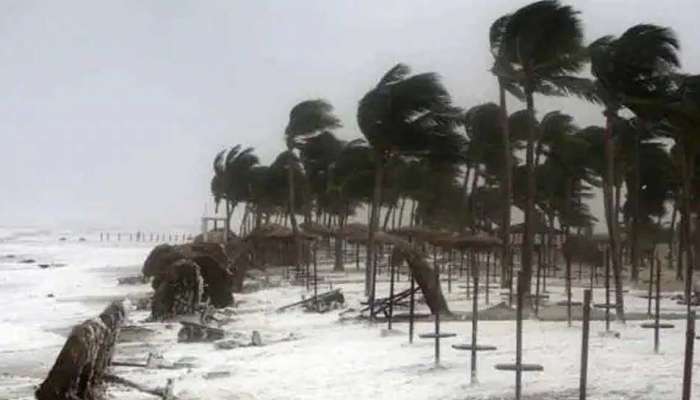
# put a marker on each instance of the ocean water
(38, 306)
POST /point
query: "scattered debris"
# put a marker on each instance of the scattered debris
(217, 374)
(132, 280)
(320, 303)
(197, 333)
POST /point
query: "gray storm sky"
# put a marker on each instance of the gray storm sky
(111, 111)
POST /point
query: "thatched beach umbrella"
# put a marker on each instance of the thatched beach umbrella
(314, 228)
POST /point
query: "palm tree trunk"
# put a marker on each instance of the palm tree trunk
(687, 166)
(635, 213)
(506, 259)
(465, 193)
(528, 235)
(611, 218)
(672, 241)
(475, 182)
(403, 204)
(339, 264)
(373, 223)
(386, 217)
(292, 215)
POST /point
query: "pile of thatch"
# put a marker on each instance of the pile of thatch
(216, 269)
(80, 366)
(277, 232)
(273, 245)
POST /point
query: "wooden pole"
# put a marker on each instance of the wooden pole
(657, 312)
(475, 319)
(607, 290)
(519, 339)
(688, 361)
(584, 343)
(315, 277)
(437, 310)
(651, 283)
(411, 306)
(568, 290)
(391, 293)
(488, 271)
(449, 277)
(537, 285)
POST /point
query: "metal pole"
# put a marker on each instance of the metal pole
(584, 343)
(688, 361)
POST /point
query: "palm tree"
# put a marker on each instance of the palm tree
(505, 84)
(630, 71)
(307, 119)
(232, 178)
(541, 46)
(402, 114)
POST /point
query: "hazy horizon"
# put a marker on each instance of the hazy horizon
(113, 111)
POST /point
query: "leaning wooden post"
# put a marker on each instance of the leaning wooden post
(688, 361)
(449, 276)
(475, 320)
(584, 343)
(411, 307)
(391, 293)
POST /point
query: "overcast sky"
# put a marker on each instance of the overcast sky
(111, 111)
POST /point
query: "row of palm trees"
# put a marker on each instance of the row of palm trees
(461, 169)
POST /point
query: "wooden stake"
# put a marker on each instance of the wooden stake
(688, 361)
(412, 305)
(584, 343)
(475, 319)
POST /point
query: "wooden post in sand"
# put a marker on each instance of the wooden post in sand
(412, 306)
(688, 361)
(584, 343)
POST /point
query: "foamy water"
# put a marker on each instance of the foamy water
(40, 305)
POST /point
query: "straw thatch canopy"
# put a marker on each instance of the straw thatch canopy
(422, 233)
(315, 228)
(359, 233)
(472, 241)
(277, 232)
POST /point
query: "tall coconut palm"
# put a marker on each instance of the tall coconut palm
(505, 84)
(232, 171)
(542, 47)
(307, 119)
(630, 71)
(402, 114)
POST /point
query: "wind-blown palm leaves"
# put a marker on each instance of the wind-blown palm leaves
(631, 71)
(405, 115)
(541, 46)
(307, 119)
(231, 180)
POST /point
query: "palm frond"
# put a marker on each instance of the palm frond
(310, 117)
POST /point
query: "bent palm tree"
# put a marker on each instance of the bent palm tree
(231, 180)
(403, 114)
(541, 46)
(306, 119)
(630, 71)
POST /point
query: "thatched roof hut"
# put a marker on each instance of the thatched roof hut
(422, 233)
(478, 241)
(314, 228)
(276, 232)
(359, 233)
